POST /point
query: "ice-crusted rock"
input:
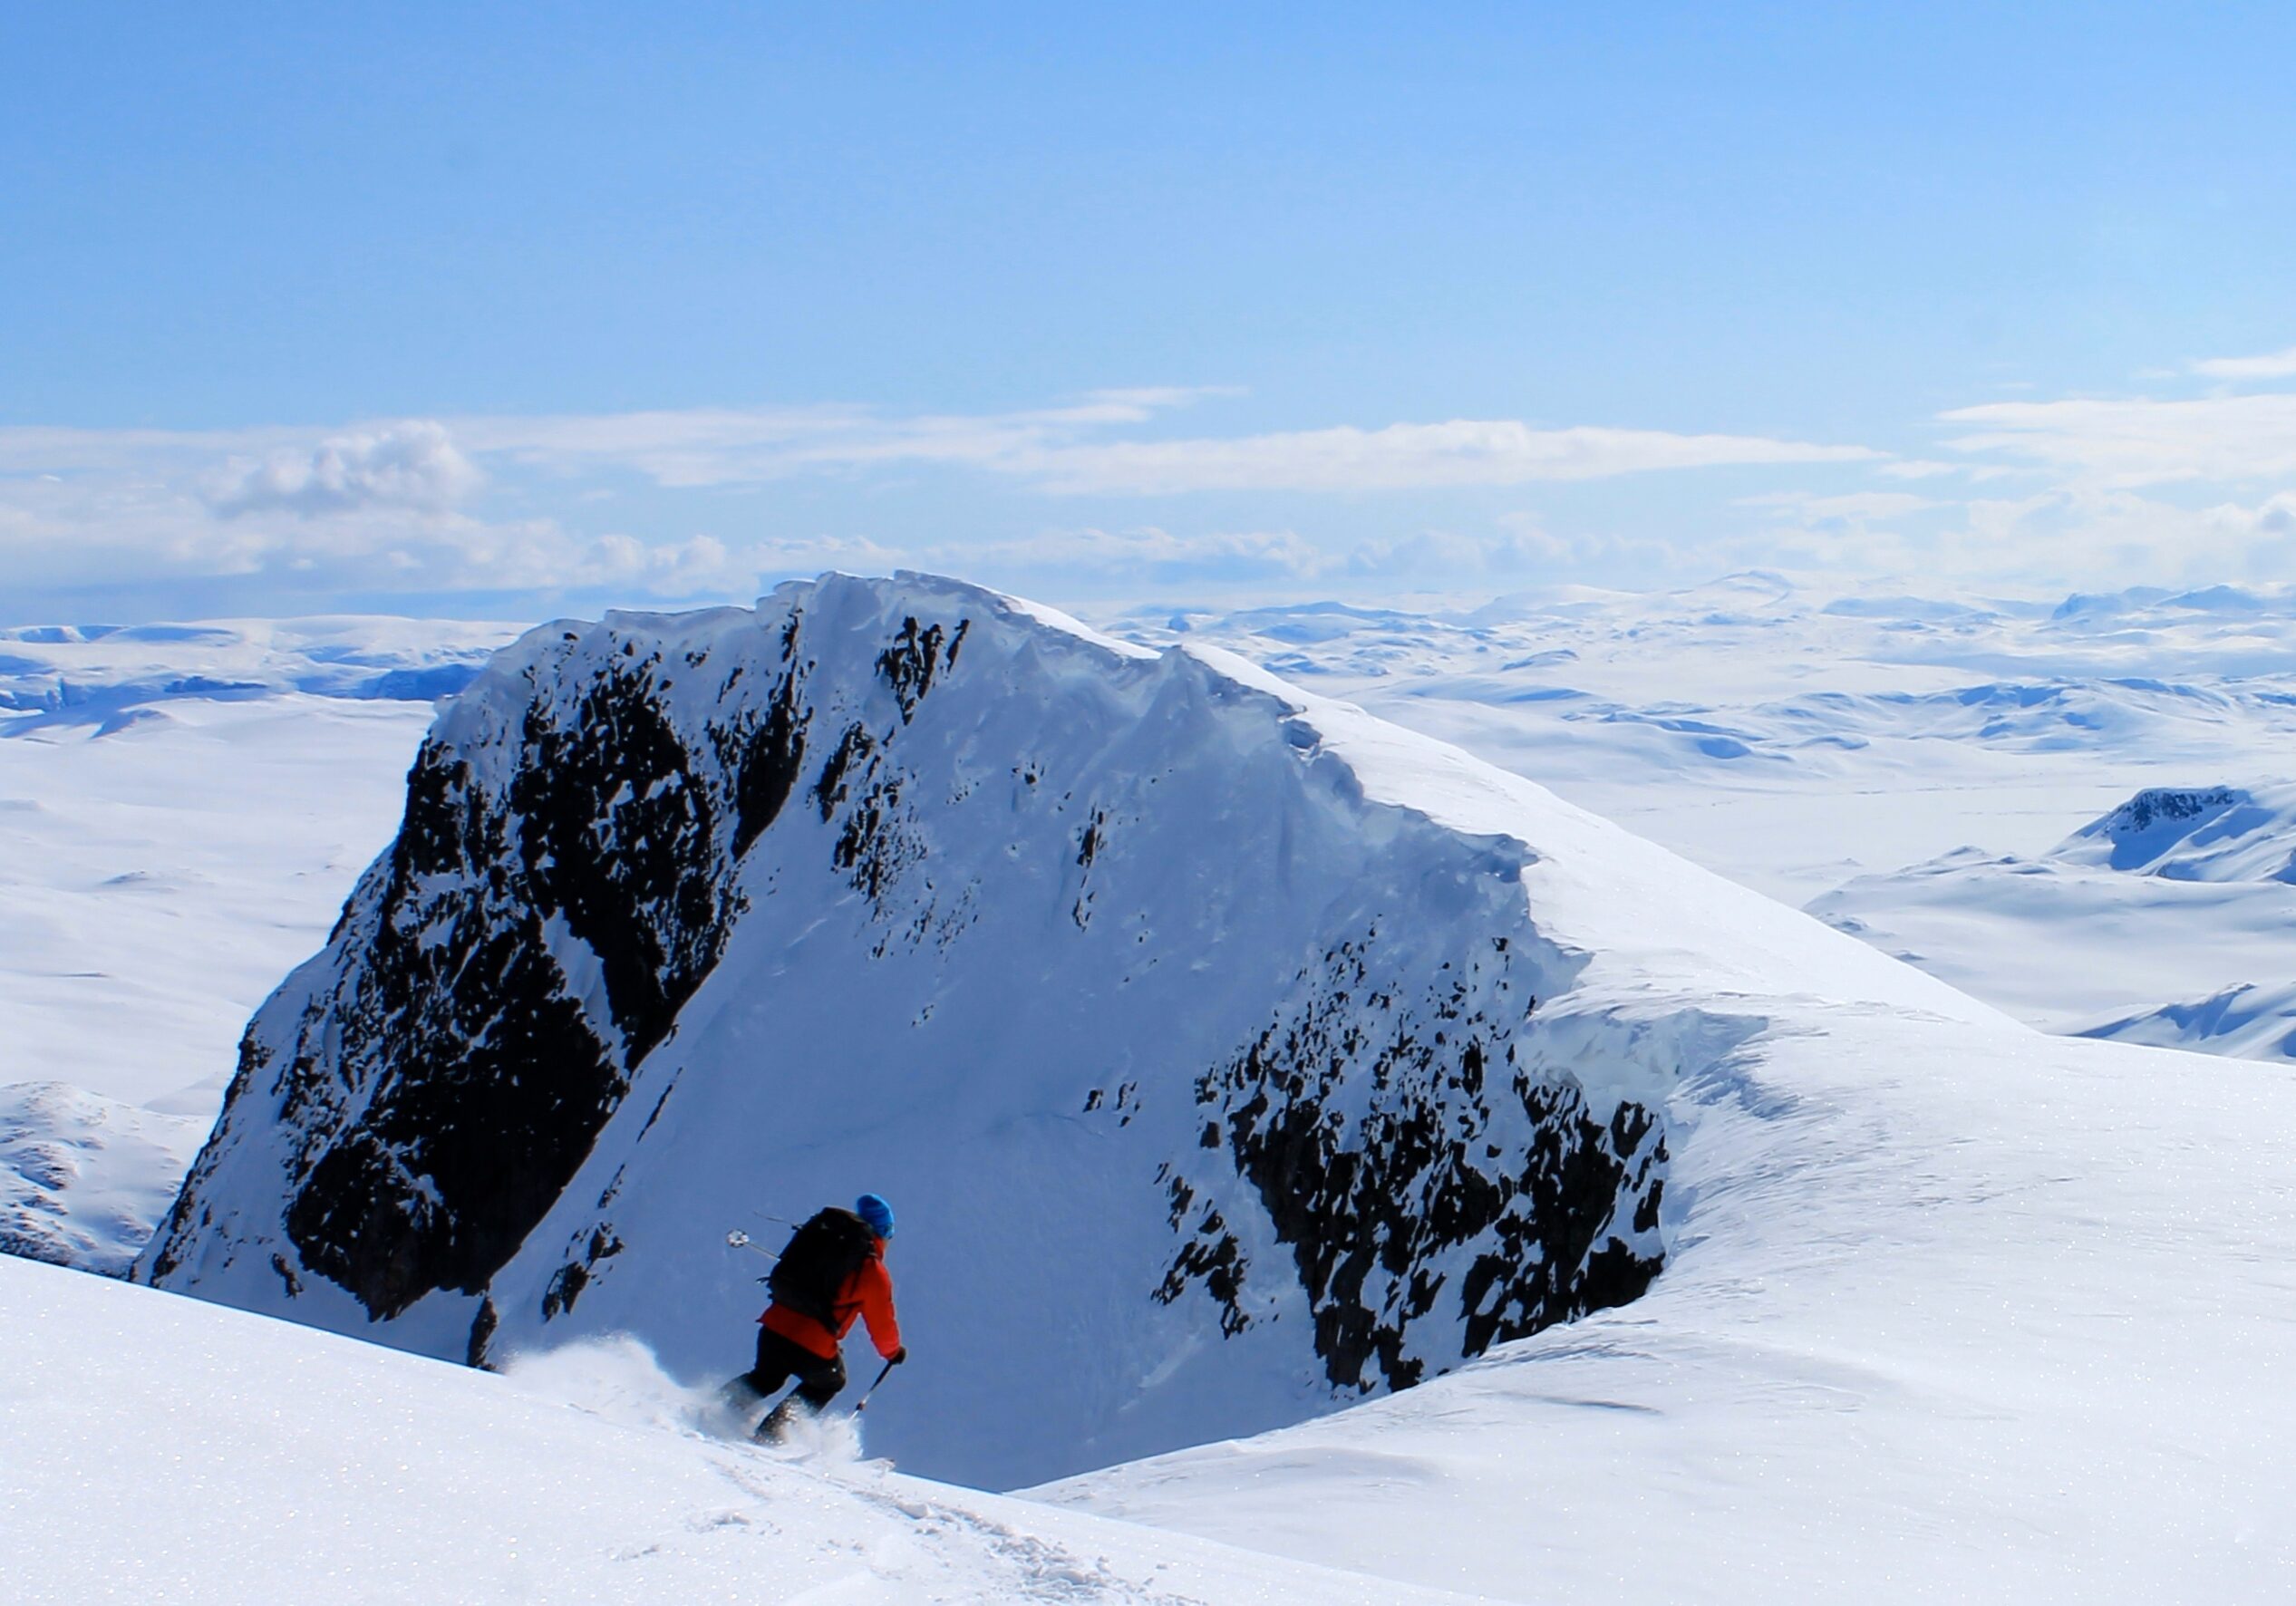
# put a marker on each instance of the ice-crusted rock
(1212, 1090)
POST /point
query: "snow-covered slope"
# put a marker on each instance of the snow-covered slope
(153, 1448)
(182, 809)
(2167, 920)
(2253, 1020)
(1950, 1311)
(1953, 1313)
(1218, 1043)
(82, 1177)
(182, 806)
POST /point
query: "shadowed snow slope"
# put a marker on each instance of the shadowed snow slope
(153, 1448)
(1229, 1053)
(2194, 834)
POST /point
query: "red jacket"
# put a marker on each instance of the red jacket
(867, 1294)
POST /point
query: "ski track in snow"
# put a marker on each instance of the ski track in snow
(617, 1379)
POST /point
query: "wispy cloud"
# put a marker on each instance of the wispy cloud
(1407, 457)
(1148, 554)
(1431, 559)
(393, 507)
(1069, 450)
(2272, 365)
(699, 446)
(1065, 451)
(2140, 442)
(1931, 469)
(1848, 507)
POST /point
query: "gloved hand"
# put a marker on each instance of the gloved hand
(898, 1356)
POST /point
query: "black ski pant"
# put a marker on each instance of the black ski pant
(778, 1359)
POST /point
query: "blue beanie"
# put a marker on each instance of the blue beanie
(877, 1212)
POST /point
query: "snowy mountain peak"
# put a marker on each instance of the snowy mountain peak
(2165, 805)
(1211, 1038)
(2194, 834)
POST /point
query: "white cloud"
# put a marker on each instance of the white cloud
(385, 506)
(44, 449)
(745, 446)
(2129, 443)
(2104, 537)
(411, 466)
(1929, 468)
(382, 505)
(90, 533)
(2273, 365)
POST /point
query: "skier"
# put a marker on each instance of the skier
(832, 1272)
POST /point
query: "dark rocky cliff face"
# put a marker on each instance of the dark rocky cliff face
(1385, 1134)
(950, 840)
(445, 1089)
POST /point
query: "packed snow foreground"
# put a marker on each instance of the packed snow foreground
(1234, 1054)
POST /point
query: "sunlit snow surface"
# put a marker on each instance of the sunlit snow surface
(2170, 921)
(1955, 1311)
(157, 1448)
(1955, 1314)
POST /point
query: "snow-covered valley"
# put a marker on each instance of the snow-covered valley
(1950, 1309)
(182, 809)
(2179, 893)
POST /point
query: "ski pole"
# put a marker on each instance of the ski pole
(862, 1403)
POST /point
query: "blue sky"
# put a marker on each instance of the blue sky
(524, 309)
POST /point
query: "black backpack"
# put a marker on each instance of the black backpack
(821, 1255)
